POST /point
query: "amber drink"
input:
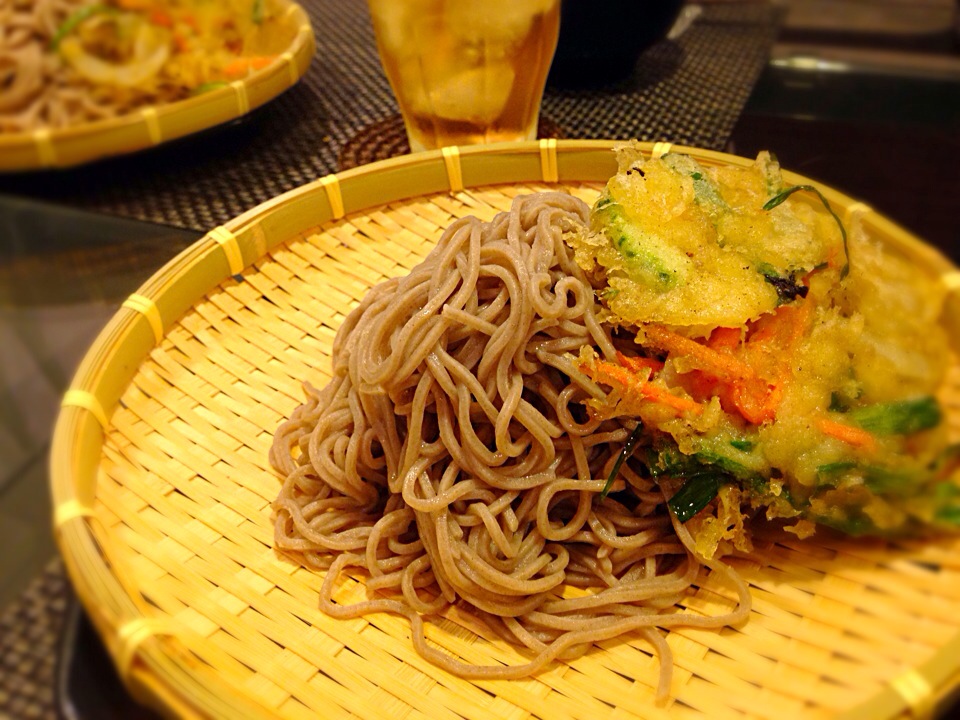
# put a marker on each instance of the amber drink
(467, 71)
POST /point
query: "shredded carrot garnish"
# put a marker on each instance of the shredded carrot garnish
(638, 364)
(759, 401)
(633, 385)
(161, 18)
(748, 372)
(724, 338)
(663, 396)
(721, 365)
(784, 328)
(749, 376)
(611, 374)
(858, 437)
(241, 66)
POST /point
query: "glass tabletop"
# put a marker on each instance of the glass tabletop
(63, 273)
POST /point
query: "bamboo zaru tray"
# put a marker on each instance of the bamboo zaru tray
(162, 494)
(155, 124)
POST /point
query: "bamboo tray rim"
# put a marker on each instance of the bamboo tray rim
(152, 125)
(227, 251)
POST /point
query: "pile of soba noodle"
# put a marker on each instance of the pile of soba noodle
(65, 62)
(451, 458)
(28, 73)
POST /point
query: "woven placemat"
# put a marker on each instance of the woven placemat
(388, 138)
(689, 91)
(30, 630)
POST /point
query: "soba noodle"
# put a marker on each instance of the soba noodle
(124, 55)
(37, 88)
(452, 459)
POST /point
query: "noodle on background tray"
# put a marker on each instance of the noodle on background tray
(83, 79)
(165, 516)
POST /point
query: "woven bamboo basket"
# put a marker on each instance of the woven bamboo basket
(162, 495)
(149, 126)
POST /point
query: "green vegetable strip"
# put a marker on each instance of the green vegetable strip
(887, 481)
(946, 496)
(705, 192)
(72, 22)
(258, 11)
(625, 453)
(697, 492)
(899, 418)
(646, 258)
(771, 174)
(779, 198)
(209, 87)
(835, 468)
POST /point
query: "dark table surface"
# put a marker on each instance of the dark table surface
(874, 113)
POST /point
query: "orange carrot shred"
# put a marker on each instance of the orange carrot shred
(241, 66)
(724, 338)
(783, 328)
(748, 376)
(722, 365)
(161, 18)
(631, 383)
(858, 437)
(639, 363)
(665, 397)
(757, 401)
(607, 372)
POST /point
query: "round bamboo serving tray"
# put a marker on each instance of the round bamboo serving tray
(149, 126)
(162, 493)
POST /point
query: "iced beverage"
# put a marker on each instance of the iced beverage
(467, 71)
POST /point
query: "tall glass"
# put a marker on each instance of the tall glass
(467, 71)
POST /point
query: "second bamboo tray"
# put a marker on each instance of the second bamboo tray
(162, 494)
(153, 125)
